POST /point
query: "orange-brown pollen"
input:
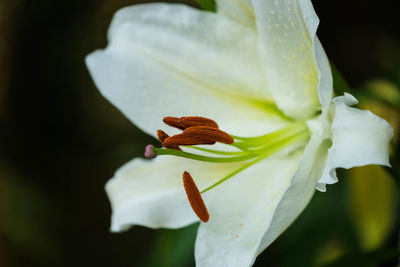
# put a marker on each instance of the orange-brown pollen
(194, 197)
(189, 121)
(196, 131)
(161, 135)
(203, 131)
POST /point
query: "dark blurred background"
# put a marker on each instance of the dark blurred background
(61, 141)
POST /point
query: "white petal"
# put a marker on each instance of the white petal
(301, 189)
(325, 85)
(240, 11)
(172, 60)
(347, 99)
(289, 50)
(150, 192)
(358, 138)
(241, 209)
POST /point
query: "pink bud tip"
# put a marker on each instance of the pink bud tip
(149, 152)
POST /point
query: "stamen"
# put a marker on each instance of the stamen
(289, 141)
(248, 150)
(184, 139)
(213, 151)
(198, 135)
(211, 133)
(173, 122)
(241, 157)
(190, 121)
(197, 121)
(194, 197)
(161, 135)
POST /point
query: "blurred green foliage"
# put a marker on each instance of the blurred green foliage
(373, 201)
(208, 5)
(61, 141)
(339, 83)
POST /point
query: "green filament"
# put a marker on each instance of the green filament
(270, 152)
(252, 149)
(292, 129)
(273, 146)
(213, 151)
(233, 173)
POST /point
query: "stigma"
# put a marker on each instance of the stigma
(196, 130)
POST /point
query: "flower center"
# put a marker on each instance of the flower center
(204, 131)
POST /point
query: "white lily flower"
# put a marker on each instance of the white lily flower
(257, 68)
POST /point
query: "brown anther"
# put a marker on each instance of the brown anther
(197, 121)
(173, 122)
(189, 121)
(209, 133)
(161, 135)
(185, 139)
(198, 135)
(194, 197)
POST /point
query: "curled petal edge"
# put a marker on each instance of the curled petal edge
(359, 138)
